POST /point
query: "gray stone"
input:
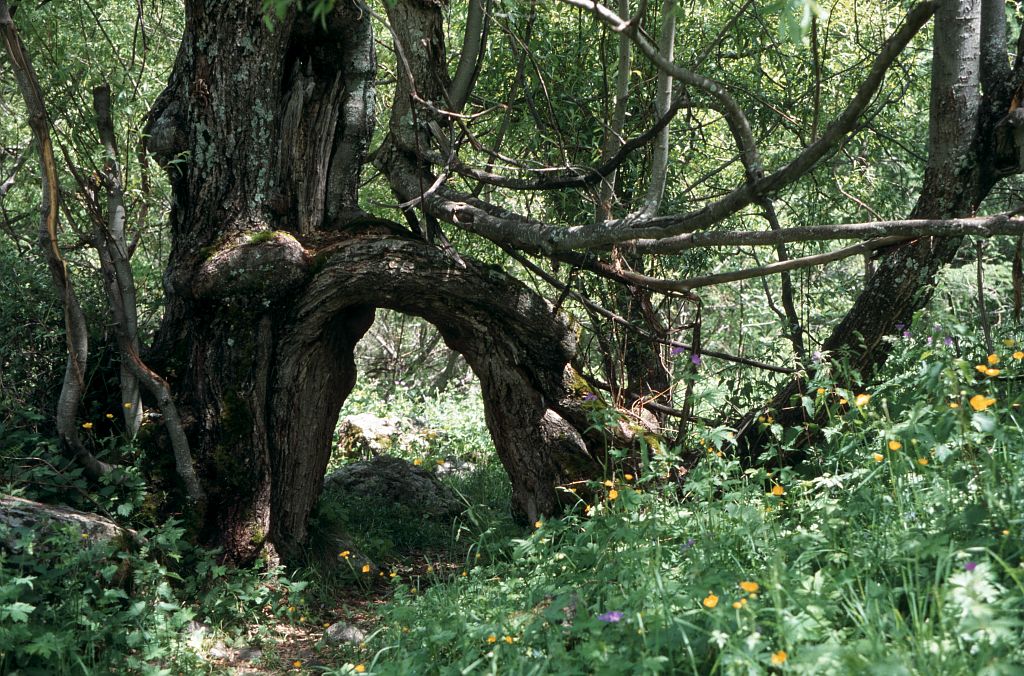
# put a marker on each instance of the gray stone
(339, 632)
(393, 480)
(19, 514)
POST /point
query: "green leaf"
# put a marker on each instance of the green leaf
(17, 611)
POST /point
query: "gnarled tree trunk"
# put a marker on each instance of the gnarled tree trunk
(275, 273)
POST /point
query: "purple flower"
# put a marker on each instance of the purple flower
(695, 358)
(900, 326)
(611, 616)
(937, 327)
(676, 350)
(947, 341)
(906, 334)
(929, 341)
(816, 356)
(686, 545)
(970, 566)
(589, 396)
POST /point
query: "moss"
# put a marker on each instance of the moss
(262, 237)
(236, 426)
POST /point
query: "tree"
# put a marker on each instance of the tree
(275, 270)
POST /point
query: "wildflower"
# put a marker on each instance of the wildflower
(1006, 531)
(109, 416)
(953, 404)
(686, 545)
(87, 426)
(297, 664)
(392, 574)
(981, 368)
(816, 356)
(695, 358)
(1018, 355)
(345, 554)
(537, 524)
(366, 568)
(969, 566)
(327, 625)
(608, 483)
(878, 457)
(894, 445)
(589, 396)
(821, 391)
(677, 350)
(492, 639)
(842, 401)
(710, 601)
(779, 657)
(302, 618)
(464, 574)
(127, 404)
(980, 402)
(613, 494)
(922, 461)
(739, 604)
(291, 609)
(900, 326)
(1009, 342)
(749, 587)
(992, 373)
(993, 359)
(906, 334)
(611, 616)
(359, 668)
(628, 477)
(778, 490)
(508, 639)
(85, 536)
(947, 341)
(417, 462)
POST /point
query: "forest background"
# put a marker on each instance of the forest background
(596, 267)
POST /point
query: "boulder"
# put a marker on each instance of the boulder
(394, 481)
(19, 514)
(339, 632)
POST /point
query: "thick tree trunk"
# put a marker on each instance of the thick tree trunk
(275, 273)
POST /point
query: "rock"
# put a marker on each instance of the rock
(365, 435)
(248, 654)
(455, 467)
(196, 632)
(339, 632)
(221, 652)
(394, 481)
(19, 514)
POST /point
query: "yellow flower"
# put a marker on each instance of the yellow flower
(359, 668)
(291, 609)
(779, 657)
(993, 359)
(492, 639)
(608, 483)
(302, 618)
(1006, 531)
(894, 445)
(749, 587)
(1018, 355)
(737, 605)
(392, 574)
(922, 461)
(345, 554)
(862, 399)
(366, 568)
(1009, 342)
(440, 462)
(538, 523)
(980, 402)
(878, 457)
(710, 601)
(127, 404)
(842, 401)
(110, 416)
(953, 404)
(612, 494)
(778, 490)
(418, 461)
(297, 664)
(87, 426)
(509, 639)
(464, 573)
(821, 390)
(992, 373)
(760, 418)
(981, 368)
(628, 477)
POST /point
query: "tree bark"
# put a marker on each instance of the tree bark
(274, 276)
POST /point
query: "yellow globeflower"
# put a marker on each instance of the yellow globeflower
(109, 416)
(922, 461)
(862, 399)
(778, 490)
(992, 373)
(980, 402)
(127, 404)
(749, 587)
(345, 554)
(878, 457)
(894, 445)
(842, 401)
(297, 664)
(993, 359)
(492, 639)
(417, 461)
(710, 601)
(627, 477)
(981, 368)
(1009, 342)
(359, 668)
(779, 657)
(538, 523)
(612, 494)
(953, 404)
(87, 426)
(1018, 355)
(509, 639)
(366, 568)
